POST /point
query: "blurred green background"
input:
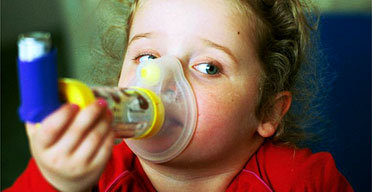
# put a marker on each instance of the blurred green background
(74, 25)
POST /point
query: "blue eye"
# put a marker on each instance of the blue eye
(207, 68)
(143, 58)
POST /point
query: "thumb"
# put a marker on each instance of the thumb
(31, 128)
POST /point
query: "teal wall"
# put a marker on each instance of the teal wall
(344, 6)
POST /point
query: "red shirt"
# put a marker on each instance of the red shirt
(271, 168)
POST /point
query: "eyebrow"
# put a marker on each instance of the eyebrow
(222, 48)
(140, 36)
(205, 41)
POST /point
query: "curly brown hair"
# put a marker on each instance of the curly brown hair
(284, 42)
(283, 39)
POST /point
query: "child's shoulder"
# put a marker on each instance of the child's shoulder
(278, 159)
(289, 158)
(285, 168)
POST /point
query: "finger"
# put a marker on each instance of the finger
(93, 141)
(51, 129)
(81, 125)
(104, 152)
(30, 129)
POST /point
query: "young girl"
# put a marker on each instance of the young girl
(241, 58)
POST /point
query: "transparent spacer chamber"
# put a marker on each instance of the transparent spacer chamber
(138, 113)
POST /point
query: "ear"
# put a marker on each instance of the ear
(278, 109)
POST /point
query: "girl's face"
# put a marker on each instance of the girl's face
(213, 42)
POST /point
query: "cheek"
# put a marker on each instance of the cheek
(226, 124)
(127, 74)
(224, 117)
(212, 110)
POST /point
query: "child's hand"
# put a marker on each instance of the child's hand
(71, 148)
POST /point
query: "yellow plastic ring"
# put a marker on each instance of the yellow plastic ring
(158, 119)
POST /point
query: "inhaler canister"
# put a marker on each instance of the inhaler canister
(37, 76)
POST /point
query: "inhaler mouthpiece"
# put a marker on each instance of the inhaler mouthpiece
(165, 77)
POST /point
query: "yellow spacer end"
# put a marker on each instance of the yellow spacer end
(158, 119)
(76, 92)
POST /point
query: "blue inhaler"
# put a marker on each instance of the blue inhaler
(37, 76)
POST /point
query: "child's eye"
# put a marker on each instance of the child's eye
(207, 68)
(144, 57)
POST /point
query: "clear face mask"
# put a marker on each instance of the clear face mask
(164, 76)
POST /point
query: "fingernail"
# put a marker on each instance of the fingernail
(101, 102)
(75, 107)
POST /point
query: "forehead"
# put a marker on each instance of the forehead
(204, 18)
